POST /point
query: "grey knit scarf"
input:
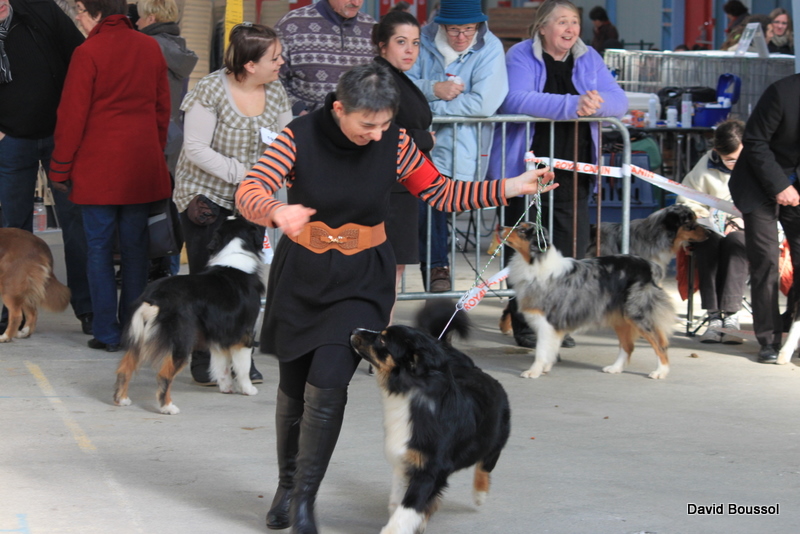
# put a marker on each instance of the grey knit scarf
(5, 68)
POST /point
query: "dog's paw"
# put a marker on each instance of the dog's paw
(249, 389)
(479, 497)
(659, 374)
(531, 373)
(5, 339)
(23, 332)
(225, 384)
(612, 369)
(126, 401)
(784, 356)
(170, 409)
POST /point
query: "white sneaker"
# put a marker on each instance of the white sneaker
(731, 322)
(711, 335)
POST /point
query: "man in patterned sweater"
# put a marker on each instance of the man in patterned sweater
(320, 42)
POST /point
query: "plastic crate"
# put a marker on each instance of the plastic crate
(643, 201)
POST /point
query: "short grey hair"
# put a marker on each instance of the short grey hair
(368, 87)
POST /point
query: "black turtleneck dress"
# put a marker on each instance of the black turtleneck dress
(318, 299)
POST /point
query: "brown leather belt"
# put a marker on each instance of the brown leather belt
(348, 239)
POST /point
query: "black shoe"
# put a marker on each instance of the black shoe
(99, 345)
(568, 342)
(767, 354)
(86, 322)
(199, 366)
(526, 339)
(255, 376)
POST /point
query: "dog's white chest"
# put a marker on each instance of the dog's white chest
(397, 426)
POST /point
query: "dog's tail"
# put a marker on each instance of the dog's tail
(56, 295)
(143, 330)
(434, 317)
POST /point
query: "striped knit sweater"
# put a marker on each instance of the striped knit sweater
(318, 47)
(256, 202)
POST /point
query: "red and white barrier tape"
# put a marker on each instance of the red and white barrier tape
(650, 177)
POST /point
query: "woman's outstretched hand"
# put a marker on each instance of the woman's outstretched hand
(291, 218)
(527, 183)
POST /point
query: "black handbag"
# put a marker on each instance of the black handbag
(164, 228)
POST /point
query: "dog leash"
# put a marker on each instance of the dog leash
(530, 164)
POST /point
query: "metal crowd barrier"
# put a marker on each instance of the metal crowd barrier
(475, 219)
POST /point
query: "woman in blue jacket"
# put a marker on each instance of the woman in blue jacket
(554, 75)
(461, 72)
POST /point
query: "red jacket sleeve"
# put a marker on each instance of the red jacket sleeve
(73, 113)
(163, 105)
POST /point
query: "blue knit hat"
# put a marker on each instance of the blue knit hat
(459, 12)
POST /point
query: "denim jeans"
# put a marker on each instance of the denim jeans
(102, 224)
(439, 237)
(19, 168)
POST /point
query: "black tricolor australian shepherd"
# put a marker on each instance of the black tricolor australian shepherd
(656, 238)
(558, 295)
(441, 414)
(215, 310)
(792, 339)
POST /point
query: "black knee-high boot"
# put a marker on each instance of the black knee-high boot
(319, 431)
(288, 412)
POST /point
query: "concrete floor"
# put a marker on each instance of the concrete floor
(589, 452)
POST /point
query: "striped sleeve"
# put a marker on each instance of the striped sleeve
(254, 197)
(423, 180)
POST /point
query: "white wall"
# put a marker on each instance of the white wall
(639, 20)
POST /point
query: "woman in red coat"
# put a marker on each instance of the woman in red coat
(109, 149)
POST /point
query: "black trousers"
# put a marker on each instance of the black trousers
(722, 267)
(761, 238)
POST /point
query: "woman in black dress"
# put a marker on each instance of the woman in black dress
(397, 40)
(333, 269)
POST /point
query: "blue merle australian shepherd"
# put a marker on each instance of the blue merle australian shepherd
(559, 295)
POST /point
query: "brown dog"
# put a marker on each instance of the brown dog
(27, 281)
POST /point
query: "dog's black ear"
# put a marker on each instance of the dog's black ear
(672, 221)
(214, 244)
(258, 233)
(688, 216)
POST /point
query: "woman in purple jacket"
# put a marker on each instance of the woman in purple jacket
(554, 75)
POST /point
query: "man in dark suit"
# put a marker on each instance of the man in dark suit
(764, 188)
(36, 43)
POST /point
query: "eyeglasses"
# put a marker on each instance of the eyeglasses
(455, 32)
(730, 161)
(80, 11)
